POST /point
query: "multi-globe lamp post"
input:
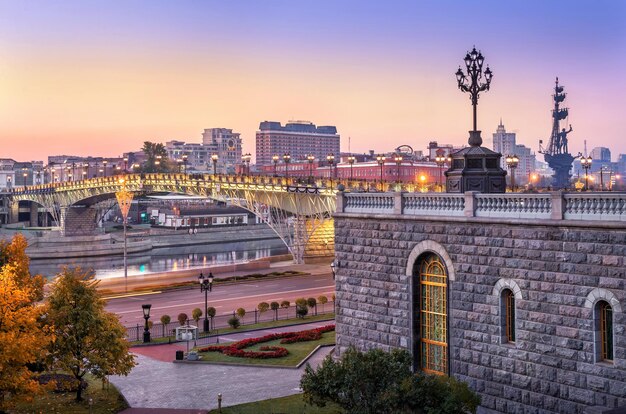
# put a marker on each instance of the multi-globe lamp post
(512, 161)
(275, 159)
(286, 160)
(351, 160)
(214, 159)
(398, 160)
(310, 158)
(585, 162)
(380, 159)
(330, 158)
(471, 82)
(206, 286)
(441, 160)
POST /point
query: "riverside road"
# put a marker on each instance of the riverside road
(225, 298)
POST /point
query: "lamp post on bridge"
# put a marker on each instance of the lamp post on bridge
(124, 199)
(246, 162)
(214, 159)
(287, 160)
(398, 159)
(206, 285)
(512, 162)
(585, 162)
(380, 159)
(351, 160)
(474, 64)
(331, 160)
(310, 158)
(275, 159)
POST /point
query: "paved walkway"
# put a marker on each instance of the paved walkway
(155, 383)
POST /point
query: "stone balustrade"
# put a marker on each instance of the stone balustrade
(605, 206)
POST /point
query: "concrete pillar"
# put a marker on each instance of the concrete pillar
(397, 203)
(558, 206)
(14, 212)
(470, 205)
(34, 214)
(321, 243)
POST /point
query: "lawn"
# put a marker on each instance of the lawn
(104, 401)
(292, 404)
(297, 352)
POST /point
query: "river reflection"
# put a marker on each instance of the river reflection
(166, 259)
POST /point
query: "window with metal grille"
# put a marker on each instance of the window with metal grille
(433, 315)
(604, 331)
(508, 316)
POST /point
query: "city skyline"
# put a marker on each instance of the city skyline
(90, 79)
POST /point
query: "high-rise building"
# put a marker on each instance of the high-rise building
(298, 138)
(601, 154)
(505, 143)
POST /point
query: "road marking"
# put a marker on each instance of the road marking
(224, 300)
(131, 295)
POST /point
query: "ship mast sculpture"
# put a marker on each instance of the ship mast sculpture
(557, 152)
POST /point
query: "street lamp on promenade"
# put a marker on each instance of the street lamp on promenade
(287, 160)
(474, 64)
(214, 159)
(512, 162)
(585, 162)
(146, 315)
(206, 285)
(351, 160)
(440, 160)
(310, 158)
(331, 160)
(380, 159)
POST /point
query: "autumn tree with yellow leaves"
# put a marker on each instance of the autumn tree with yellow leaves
(23, 335)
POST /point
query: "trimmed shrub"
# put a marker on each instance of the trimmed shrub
(275, 306)
(234, 322)
(285, 304)
(165, 319)
(182, 318)
(263, 307)
(196, 314)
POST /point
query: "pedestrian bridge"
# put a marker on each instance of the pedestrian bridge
(299, 212)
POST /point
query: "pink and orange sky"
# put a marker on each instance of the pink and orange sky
(100, 77)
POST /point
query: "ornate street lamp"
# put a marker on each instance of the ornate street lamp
(275, 159)
(398, 159)
(310, 158)
(331, 160)
(125, 165)
(380, 159)
(440, 160)
(206, 285)
(246, 162)
(124, 199)
(287, 160)
(146, 315)
(351, 160)
(214, 159)
(474, 64)
(512, 162)
(585, 162)
(185, 162)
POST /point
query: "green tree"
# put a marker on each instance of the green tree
(323, 300)
(153, 163)
(376, 382)
(88, 339)
(263, 307)
(312, 303)
(165, 320)
(234, 322)
(211, 312)
(301, 307)
(275, 306)
(285, 304)
(23, 336)
(241, 312)
(182, 318)
(196, 314)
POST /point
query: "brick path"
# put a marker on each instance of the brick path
(156, 382)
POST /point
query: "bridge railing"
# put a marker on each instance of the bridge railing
(541, 206)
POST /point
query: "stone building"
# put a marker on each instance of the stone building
(520, 296)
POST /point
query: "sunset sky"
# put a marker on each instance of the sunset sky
(100, 77)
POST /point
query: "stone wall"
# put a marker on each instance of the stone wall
(78, 221)
(557, 265)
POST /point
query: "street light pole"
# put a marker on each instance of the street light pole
(310, 158)
(146, 315)
(124, 199)
(398, 159)
(351, 160)
(331, 160)
(206, 285)
(586, 164)
(474, 65)
(275, 161)
(512, 161)
(214, 159)
(381, 161)
(287, 160)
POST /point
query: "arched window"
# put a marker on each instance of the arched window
(433, 316)
(508, 316)
(604, 331)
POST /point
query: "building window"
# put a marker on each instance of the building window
(508, 316)
(604, 331)
(433, 317)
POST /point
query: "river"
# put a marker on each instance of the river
(166, 259)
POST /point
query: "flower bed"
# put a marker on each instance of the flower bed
(236, 349)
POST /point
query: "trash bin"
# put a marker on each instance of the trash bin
(180, 355)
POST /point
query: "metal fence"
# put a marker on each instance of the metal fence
(159, 330)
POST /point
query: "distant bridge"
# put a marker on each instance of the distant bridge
(298, 211)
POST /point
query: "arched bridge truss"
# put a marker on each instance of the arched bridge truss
(294, 210)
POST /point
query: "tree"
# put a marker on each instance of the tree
(196, 314)
(312, 303)
(153, 151)
(285, 304)
(182, 318)
(88, 339)
(301, 308)
(275, 306)
(241, 312)
(263, 307)
(234, 322)
(323, 300)
(211, 312)
(23, 336)
(375, 382)
(165, 320)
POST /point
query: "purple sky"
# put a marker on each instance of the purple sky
(100, 77)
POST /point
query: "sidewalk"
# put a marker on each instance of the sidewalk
(155, 383)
